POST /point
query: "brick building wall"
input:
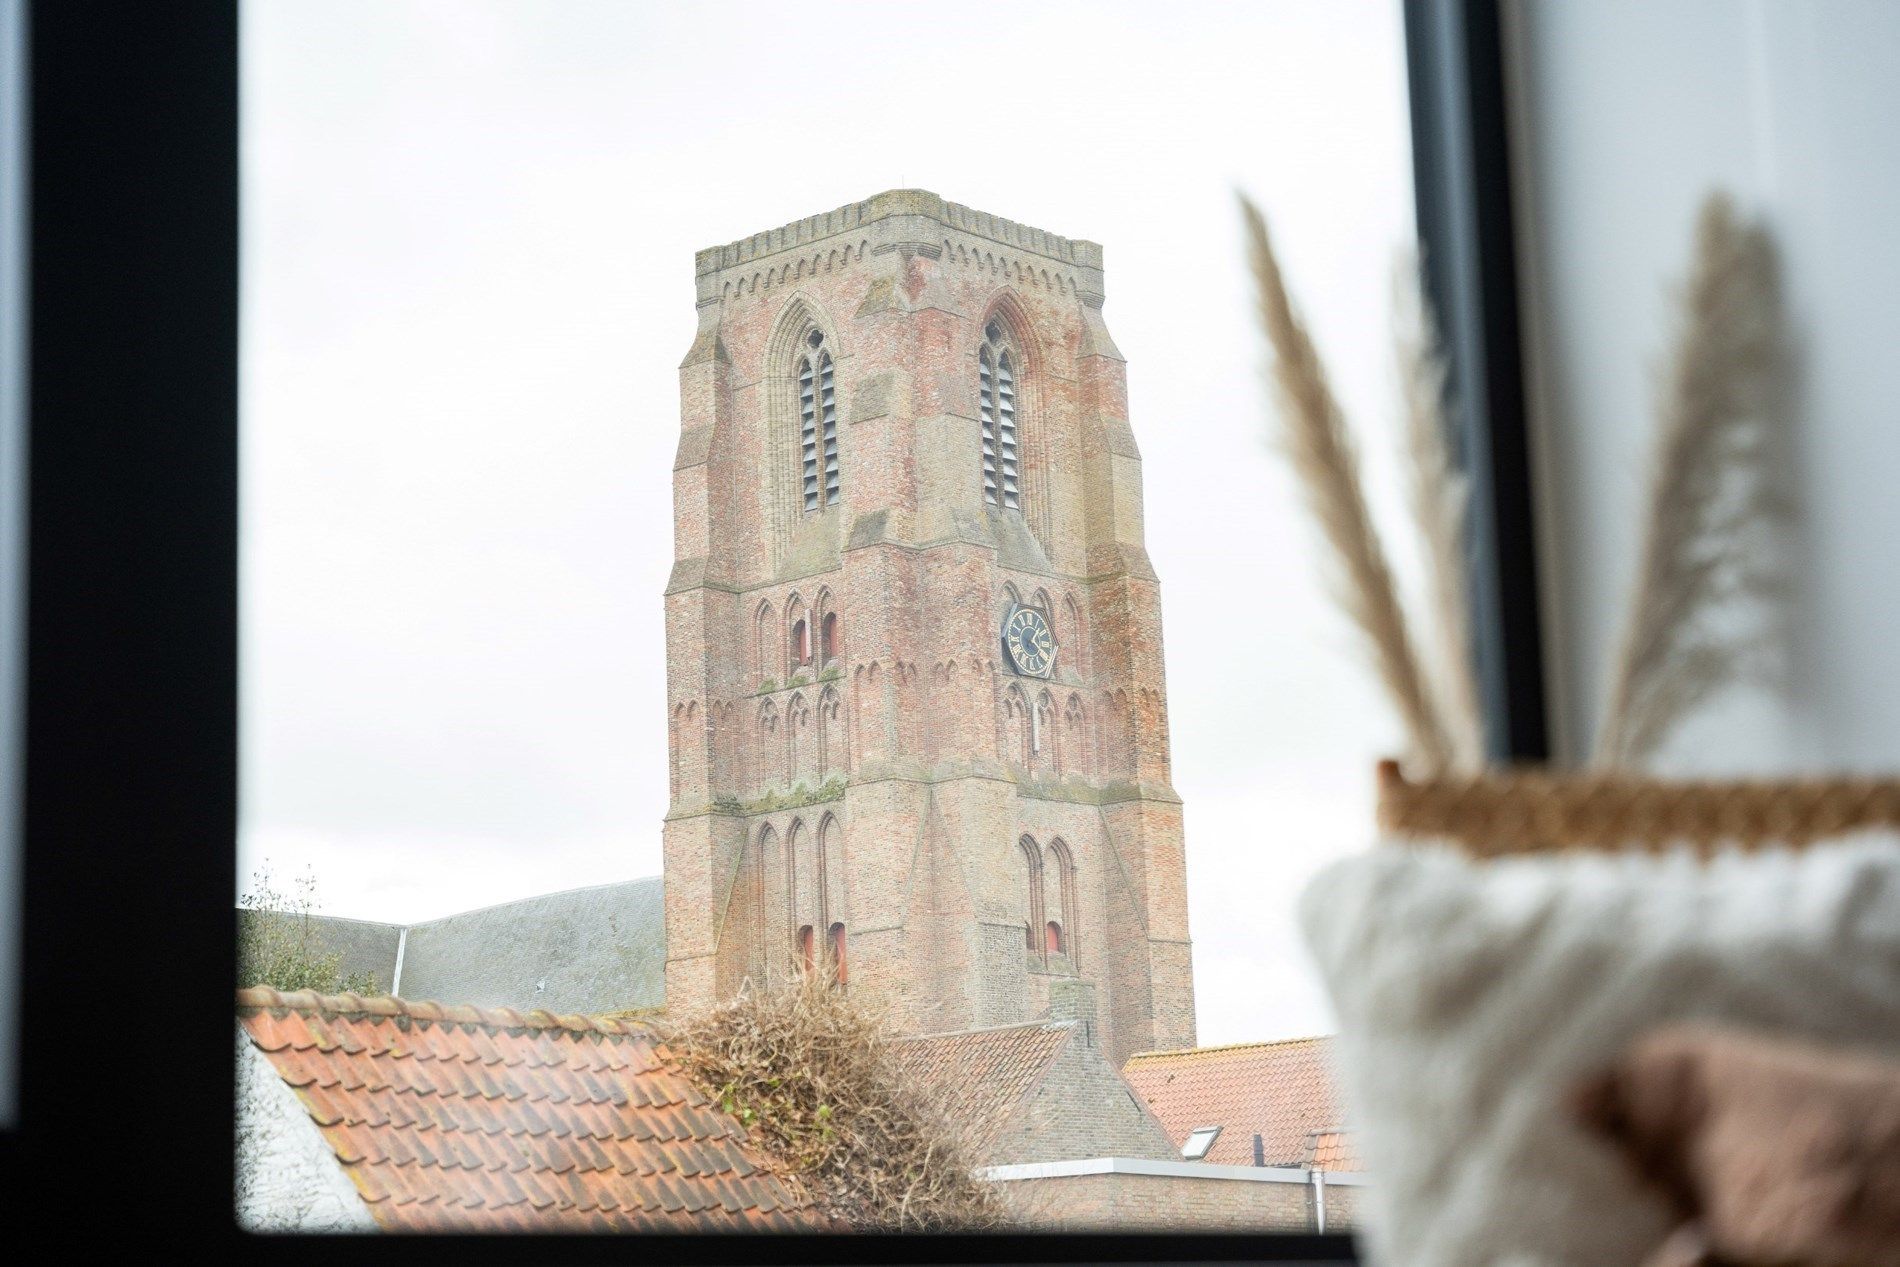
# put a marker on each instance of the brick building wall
(1081, 1107)
(851, 752)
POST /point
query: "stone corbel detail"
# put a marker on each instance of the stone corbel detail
(1096, 340)
(707, 345)
(878, 396)
(695, 447)
(687, 574)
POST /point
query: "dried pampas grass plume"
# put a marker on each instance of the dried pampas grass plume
(1441, 498)
(1683, 642)
(1313, 435)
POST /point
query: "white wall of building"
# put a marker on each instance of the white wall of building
(288, 1179)
(1626, 113)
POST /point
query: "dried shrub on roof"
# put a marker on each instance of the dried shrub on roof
(808, 1069)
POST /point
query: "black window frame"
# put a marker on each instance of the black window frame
(126, 751)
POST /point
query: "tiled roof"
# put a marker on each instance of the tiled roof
(983, 1074)
(1281, 1091)
(1330, 1150)
(485, 1120)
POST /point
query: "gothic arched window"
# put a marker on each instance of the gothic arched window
(996, 405)
(765, 641)
(817, 425)
(1031, 880)
(797, 636)
(1073, 636)
(828, 638)
(839, 973)
(1059, 899)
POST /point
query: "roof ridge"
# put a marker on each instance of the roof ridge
(350, 1004)
(412, 925)
(1044, 1023)
(342, 919)
(1266, 1042)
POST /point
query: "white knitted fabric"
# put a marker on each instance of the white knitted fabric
(1471, 997)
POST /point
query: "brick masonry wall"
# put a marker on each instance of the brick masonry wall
(1160, 1203)
(930, 758)
(1081, 1109)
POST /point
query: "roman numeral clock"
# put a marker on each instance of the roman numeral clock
(1028, 642)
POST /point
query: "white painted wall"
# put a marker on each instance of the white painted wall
(1627, 112)
(288, 1179)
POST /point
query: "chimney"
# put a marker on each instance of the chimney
(1073, 1000)
(1259, 1150)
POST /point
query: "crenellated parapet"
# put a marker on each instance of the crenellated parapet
(897, 220)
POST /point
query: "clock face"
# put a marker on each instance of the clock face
(1030, 644)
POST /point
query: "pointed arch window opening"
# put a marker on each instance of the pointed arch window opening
(996, 394)
(1059, 907)
(801, 643)
(1032, 875)
(817, 425)
(840, 973)
(828, 638)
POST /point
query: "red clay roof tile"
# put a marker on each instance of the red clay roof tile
(981, 1075)
(470, 1119)
(1282, 1091)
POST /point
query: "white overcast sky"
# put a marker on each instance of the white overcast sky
(468, 281)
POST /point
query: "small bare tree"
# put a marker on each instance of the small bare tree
(276, 942)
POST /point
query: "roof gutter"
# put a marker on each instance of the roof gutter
(1167, 1170)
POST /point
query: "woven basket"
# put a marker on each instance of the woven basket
(1533, 811)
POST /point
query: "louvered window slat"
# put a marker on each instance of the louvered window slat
(819, 473)
(1006, 426)
(829, 409)
(807, 434)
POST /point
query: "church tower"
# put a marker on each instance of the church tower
(919, 734)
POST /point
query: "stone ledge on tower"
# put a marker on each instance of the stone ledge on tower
(905, 220)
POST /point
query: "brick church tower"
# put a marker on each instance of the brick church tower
(919, 731)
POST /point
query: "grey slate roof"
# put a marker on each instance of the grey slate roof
(366, 946)
(598, 949)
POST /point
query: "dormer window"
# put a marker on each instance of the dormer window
(817, 425)
(996, 403)
(1199, 1142)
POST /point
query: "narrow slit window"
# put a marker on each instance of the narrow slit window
(828, 417)
(817, 425)
(996, 404)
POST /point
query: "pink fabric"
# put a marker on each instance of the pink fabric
(1770, 1151)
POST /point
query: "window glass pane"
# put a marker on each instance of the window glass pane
(582, 420)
